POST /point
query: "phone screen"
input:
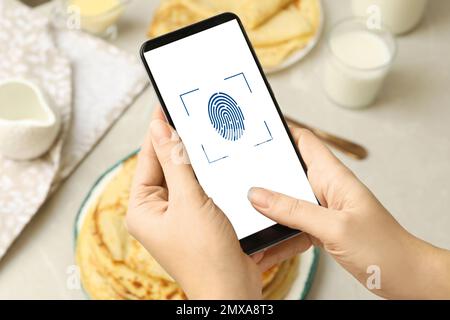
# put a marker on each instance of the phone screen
(226, 117)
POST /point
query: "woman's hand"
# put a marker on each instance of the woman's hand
(354, 228)
(182, 228)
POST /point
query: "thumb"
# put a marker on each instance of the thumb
(171, 154)
(294, 213)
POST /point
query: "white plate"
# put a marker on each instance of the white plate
(298, 55)
(308, 260)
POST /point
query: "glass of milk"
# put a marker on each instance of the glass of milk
(357, 62)
(400, 16)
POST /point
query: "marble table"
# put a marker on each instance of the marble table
(407, 133)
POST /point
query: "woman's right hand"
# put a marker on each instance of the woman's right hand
(354, 228)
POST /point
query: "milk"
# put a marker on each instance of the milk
(400, 16)
(356, 65)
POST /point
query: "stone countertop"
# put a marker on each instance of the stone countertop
(407, 133)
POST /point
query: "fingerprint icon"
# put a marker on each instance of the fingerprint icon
(226, 116)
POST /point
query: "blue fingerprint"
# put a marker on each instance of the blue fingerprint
(226, 116)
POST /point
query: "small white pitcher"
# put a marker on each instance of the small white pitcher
(29, 124)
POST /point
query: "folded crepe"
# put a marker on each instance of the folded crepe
(252, 12)
(276, 28)
(288, 24)
(113, 265)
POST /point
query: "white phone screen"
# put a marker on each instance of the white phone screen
(228, 122)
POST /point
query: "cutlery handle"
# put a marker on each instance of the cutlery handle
(350, 148)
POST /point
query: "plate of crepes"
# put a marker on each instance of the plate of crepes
(114, 266)
(282, 32)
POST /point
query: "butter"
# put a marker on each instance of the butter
(98, 16)
(94, 7)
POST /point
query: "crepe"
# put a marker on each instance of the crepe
(113, 265)
(280, 285)
(272, 56)
(276, 28)
(252, 12)
(288, 24)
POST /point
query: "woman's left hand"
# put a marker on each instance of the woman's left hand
(182, 228)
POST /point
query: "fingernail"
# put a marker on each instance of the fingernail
(260, 197)
(160, 131)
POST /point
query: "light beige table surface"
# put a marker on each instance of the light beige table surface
(407, 133)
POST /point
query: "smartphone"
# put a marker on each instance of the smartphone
(214, 93)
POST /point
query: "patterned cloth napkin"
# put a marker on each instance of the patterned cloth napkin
(90, 82)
